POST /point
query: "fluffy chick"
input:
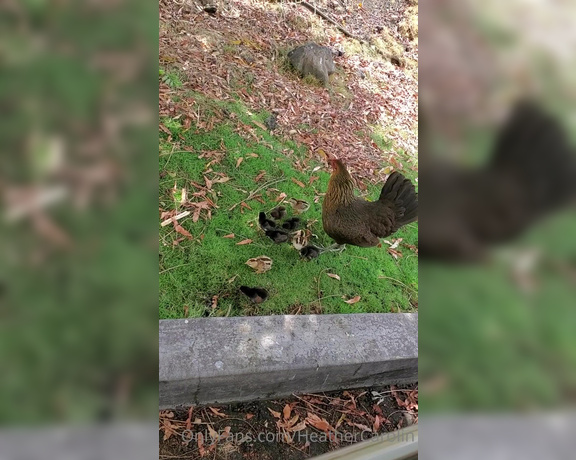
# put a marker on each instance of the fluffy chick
(256, 295)
(278, 213)
(278, 236)
(291, 224)
(265, 223)
(310, 252)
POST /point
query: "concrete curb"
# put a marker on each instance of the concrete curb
(222, 360)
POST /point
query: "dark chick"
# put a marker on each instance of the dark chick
(278, 213)
(256, 295)
(291, 224)
(309, 252)
(265, 223)
(278, 236)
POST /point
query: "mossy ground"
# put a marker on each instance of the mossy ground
(196, 270)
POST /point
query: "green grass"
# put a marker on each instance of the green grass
(194, 271)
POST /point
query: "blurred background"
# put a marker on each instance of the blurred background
(497, 228)
(78, 187)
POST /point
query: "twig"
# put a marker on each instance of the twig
(397, 281)
(324, 16)
(175, 218)
(172, 268)
(255, 192)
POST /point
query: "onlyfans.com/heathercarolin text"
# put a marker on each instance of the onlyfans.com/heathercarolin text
(300, 436)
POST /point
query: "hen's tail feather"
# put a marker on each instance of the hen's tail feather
(401, 193)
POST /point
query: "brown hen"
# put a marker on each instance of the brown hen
(352, 220)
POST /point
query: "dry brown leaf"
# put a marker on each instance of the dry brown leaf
(353, 300)
(230, 235)
(359, 425)
(260, 176)
(200, 441)
(297, 182)
(247, 241)
(249, 416)
(240, 160)
(217, 412)
(182, 230)
(286, 412)
(213, 433)
(244, 205)
(317, 422)
(252, 155)
(280, 197)
(299, 427)
(313, 179)
(261, 263)
(274, 413)
(333, 275)
(394, 253)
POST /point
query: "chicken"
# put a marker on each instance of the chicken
(255, 294)
(352, 220)
(265, 223)
(278, 213)
(529, 174)
(291, 224)
(310, 252)
(278, 236)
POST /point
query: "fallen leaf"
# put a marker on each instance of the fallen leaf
(394, 253)
(201, 445)
(248, 241)
(281, 197)
(298, 427)
(182, 231)
(317, 422)
(186, 310)
(353, 300)
(240, 160)
(333, 275)
(213, 433)
(297, 182)
(217, 412)
(260, 176)
(230, 235)
(286, 412)
(274, 413)
(231, 280)
(313, 179)
(249, 416)
(261, 263)
(359, 425)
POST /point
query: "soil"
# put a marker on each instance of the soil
(295, 428)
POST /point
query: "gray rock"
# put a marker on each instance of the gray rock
(313, 59)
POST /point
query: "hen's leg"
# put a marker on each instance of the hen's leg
(335, 248)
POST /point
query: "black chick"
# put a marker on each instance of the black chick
(309, 252)
(278, 236)
(278, 213)
(256, 295)
(292, 223)
(265, 223)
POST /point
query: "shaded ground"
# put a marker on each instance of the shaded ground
(294, 428)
